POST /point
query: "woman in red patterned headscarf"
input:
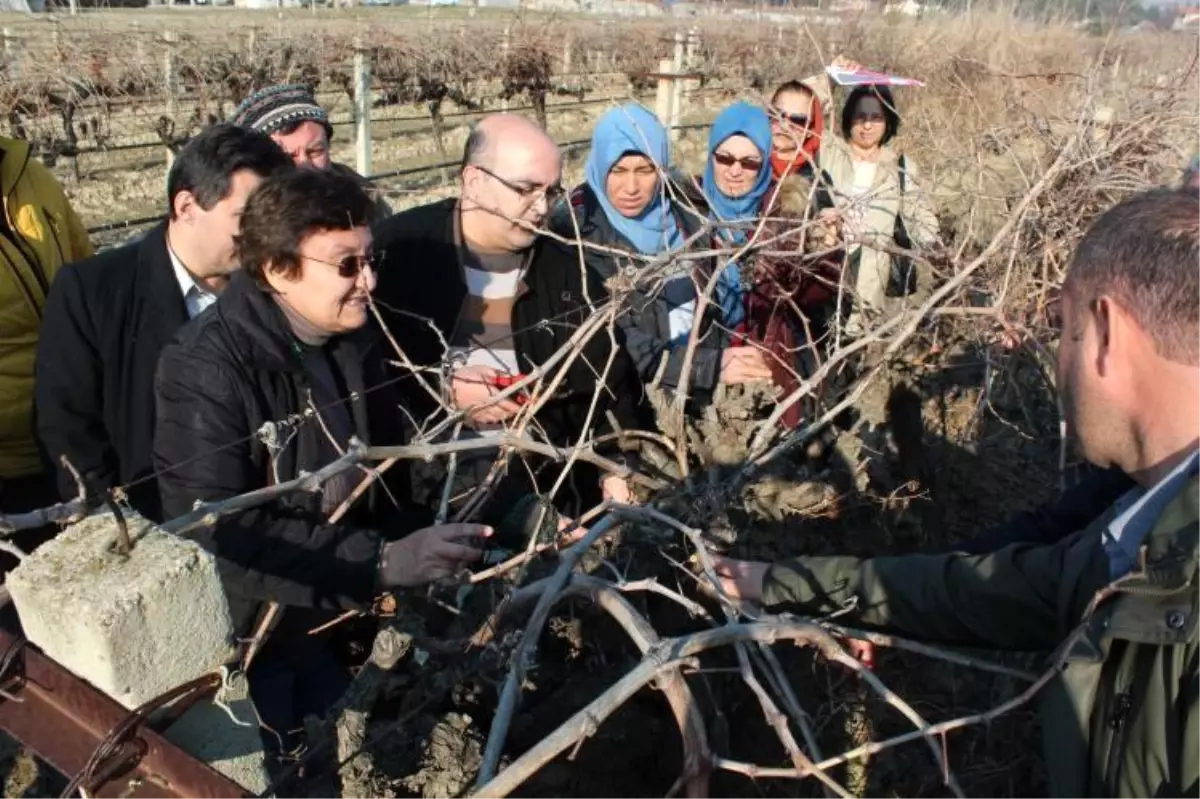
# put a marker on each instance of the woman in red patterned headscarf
(795, 274)
(797, 124)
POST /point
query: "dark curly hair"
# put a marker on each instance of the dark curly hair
(288, 207)
(890, 115)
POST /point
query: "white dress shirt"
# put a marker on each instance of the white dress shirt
(194, 297)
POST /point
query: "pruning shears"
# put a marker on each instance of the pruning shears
(504, 381)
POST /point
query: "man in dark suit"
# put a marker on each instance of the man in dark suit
(108, 317)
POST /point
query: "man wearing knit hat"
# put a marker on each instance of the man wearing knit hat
(290, 115)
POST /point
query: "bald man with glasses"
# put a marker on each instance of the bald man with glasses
(477, 298)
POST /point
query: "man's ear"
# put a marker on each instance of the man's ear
(184, 206)
(470, 180)
(274, 278)
(1115, 330)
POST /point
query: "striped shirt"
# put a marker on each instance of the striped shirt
(483, 334)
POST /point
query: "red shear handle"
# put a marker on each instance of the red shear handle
(863, 651)
(504, 381)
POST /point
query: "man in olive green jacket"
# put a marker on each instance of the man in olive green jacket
(39, 234)
(1117, 601)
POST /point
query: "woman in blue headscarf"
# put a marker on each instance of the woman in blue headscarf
(736, 181)
(630, 150)
(624, 204)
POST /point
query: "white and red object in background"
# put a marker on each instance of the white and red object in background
(865, 77)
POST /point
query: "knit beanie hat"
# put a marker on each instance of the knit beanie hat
(275, 108)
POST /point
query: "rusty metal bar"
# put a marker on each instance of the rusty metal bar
(64, 720)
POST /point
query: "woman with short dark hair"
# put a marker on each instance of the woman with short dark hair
(881, 201)
(273, 381)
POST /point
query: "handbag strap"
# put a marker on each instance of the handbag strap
(903, 170)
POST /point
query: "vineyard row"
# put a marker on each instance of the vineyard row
(568, 148)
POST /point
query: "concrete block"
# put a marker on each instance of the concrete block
(232, 747)
(134, 626)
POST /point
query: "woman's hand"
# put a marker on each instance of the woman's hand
(616, 489)
(744, 365)
(430, 554)
(842, 62)
(830, 220)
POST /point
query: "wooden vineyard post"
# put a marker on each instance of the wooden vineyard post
(691, 62)
(139, 46)
(677, 88)
(566, 64)
(362, 108)
(505, 43)
(171, 87)
(674, 83)
(252, 41)
(664, 94)
(10, 54)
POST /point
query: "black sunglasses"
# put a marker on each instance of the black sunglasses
(529, 193)
(748, 164)
(799, 120)
(351, 265)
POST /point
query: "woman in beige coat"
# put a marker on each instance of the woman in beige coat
(874, 186)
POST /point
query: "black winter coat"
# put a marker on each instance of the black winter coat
(230, 371)
(421, 281)
(107, 319)
(645, 323)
